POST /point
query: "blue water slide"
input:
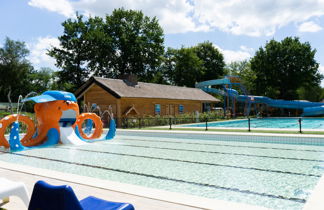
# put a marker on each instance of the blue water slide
(224, 81)
(309, 108)
(214, 90)
(313, 111)
(293, 104)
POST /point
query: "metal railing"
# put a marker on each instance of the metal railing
(247, 124)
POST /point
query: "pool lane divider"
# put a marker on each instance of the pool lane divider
(223, 145)
(224, 153)
(281, 197)
(274, 138)
(193, 162)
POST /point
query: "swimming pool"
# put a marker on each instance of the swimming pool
(247, 169)
(278, 123)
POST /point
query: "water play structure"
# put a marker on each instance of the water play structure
(231, 96)
(58, 121)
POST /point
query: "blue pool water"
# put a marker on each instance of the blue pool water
(281, 123)
(270, 171)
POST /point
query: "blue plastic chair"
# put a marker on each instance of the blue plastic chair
(49, 197)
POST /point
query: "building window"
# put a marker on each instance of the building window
(180, 109)
(206, 107)
(157, 109)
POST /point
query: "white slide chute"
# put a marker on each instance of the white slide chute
(68, 136)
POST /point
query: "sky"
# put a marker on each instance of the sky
(238, 28)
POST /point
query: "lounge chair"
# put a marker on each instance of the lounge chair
(49, 197)
(10, 188)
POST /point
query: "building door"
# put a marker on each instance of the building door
(171, 109)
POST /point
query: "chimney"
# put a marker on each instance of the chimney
(129, 79)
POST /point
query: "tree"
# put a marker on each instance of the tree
(73, 53)
(42, 80)
(281, 68)
(125, 42)
(243, 70)
(185, 67)
(167, 68)
(313, 93)
(213, 61)
(137, 42)
(14, 69)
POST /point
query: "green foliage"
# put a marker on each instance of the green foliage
(42, 80)
(281, 68)
(125, 42)
(73, 52)
(313, 93)
(167, 68)
(159, 78)
(244, 71)
(18, 75)
(22, 126)
(137, 43)
(212, 61)
(14, 69)
(186, 66)
(4, 113)
(148, 121)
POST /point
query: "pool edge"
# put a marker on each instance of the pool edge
(315, 200)
(223, 133)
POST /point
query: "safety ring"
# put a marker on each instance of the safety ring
(8, 120)
(97, 124)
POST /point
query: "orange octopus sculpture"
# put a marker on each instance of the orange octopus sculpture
(53, 109)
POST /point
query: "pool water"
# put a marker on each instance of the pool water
(244, 169)
(281, 123)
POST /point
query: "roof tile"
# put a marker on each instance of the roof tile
(151, 90)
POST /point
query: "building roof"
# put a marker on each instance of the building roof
(122, 89)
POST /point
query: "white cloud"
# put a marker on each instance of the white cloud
(231, 56)
(247, 49)
(38, 52)
(321, 70)
(240, 17)
(239, 55)
(309, 27)
(256, 18)
(62, 7)
(175, 16)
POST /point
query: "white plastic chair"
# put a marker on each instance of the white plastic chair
(10, 188)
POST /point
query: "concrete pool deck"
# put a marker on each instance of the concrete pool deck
(141, 197)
